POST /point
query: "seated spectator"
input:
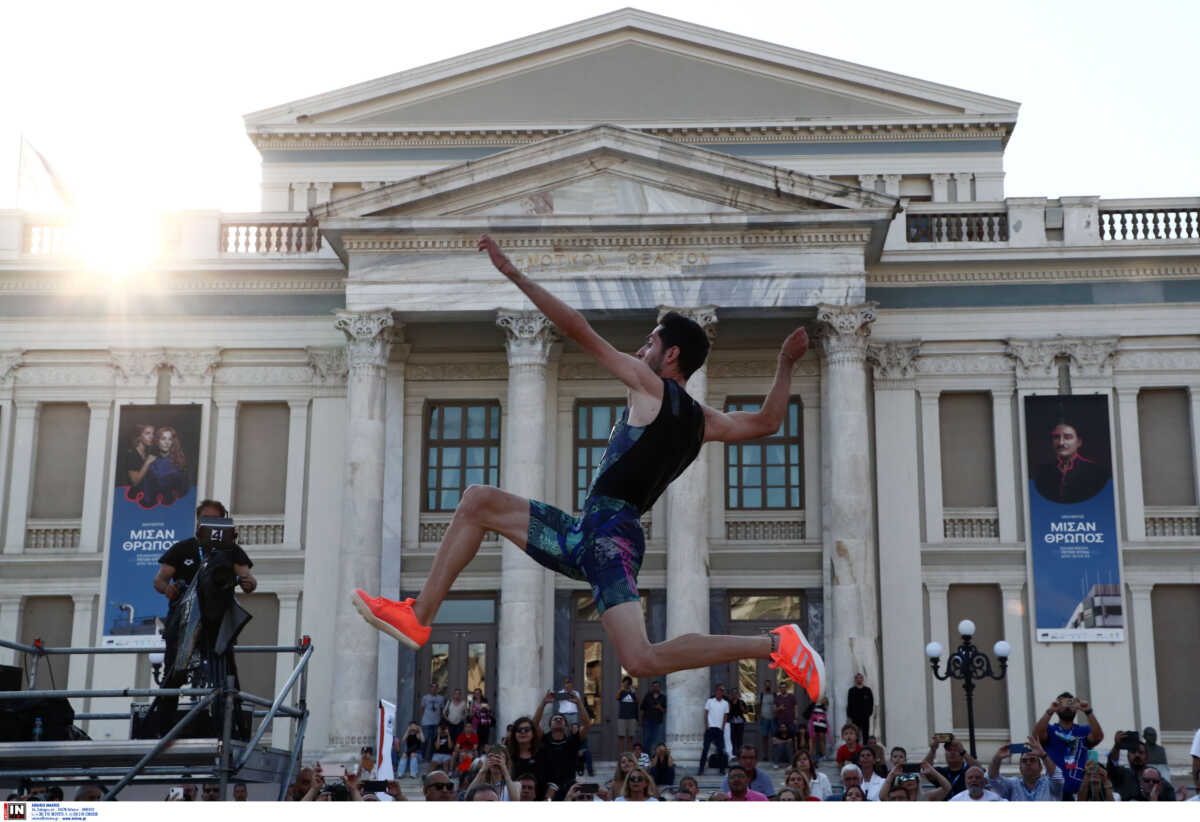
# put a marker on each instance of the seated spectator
(443, 746)
(854, 794)
(662, 767)
(688, 790)
(1068, 741)
(977, 790)
(639, 787)
(625, 764)
(739, 785)
(718, 796)
(850, 744)
(790, 795)
(1152, 787)
(851, 778)
(757, 779)
(482, 793)
(413, 744)
(1094, 785)
(55, 794)
(528, 783)
(90, 792)
(494, 772)
(783, 744)
(1032, 786)
(906, 787)
(880, 754)
(576, 794)
(818, 782)
(240, 792)
(522, 745)
(1126, 781)
(797, 781)
(641, 757)
(872, 782)
(211, 792)
(468, 740)
(955, 769)
(438, 787)
(482, 719)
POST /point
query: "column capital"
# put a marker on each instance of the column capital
(1090, 356)
(10, 361)
(939, 176)
(939, 588)
(528, 336)
(894, 361)
(137, 366)
(368, 339)
(193, 366)
(1140, 589)
(100, 406)
(704, 316)
(1012, 589)
(329, 365)
(84, 600)
(844, 331)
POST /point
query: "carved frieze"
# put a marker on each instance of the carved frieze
(950, 365)
(193, 366)
(1090, 356)
(528, 337)
(329, 365)
(263, 375)
(10, 361)
(428, 372)
(807, 367)
(137, 366)
(1149, 360)
(894, 359)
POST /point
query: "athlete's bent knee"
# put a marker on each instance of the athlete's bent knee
(477, 501)
(641, 664)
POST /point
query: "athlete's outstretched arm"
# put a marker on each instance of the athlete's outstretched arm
(735, 426)
(634, 373)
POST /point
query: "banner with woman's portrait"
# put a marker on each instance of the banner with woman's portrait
(1076, 560)
(154, 506)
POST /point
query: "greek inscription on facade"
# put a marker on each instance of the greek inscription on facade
(587, 260)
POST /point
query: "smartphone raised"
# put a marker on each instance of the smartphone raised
(1017, 748)
(374, 785)
(910, 767)
(589, 787)
(943, 738)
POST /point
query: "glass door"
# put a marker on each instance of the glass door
(598, 674)
(458, 657)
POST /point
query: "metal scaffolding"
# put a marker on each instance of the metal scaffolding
(169, 759)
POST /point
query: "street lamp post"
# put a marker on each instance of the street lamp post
(970, 665)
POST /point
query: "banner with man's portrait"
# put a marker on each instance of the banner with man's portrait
(154, 506)
(1076, 559)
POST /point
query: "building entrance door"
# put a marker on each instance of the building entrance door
(598, 673)
(457, 656)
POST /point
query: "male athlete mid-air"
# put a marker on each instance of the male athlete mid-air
(656, 438)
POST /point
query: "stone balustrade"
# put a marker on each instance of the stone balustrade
(266, 530)
(52, 534)
(1172, 521)
(765, 526)
(246, 237)
(960, 524)
(1160, 219)
(956, 223)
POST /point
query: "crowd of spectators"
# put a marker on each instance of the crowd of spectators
(544, 757)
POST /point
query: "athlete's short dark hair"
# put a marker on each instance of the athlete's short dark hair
(678, 330)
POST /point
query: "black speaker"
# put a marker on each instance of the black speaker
(10, 678)
(19, 717)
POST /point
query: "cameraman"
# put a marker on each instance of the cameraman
(180, 562)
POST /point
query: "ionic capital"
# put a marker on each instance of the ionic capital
(368, 340)
(528, 336)
(844, 331)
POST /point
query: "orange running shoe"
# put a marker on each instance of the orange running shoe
(800, 661)
(393, 618)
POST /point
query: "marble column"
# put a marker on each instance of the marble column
(21, 479)
(941, 187)
(293, 506)
(10, 623)
(95, 474)
(222, 475)
(687, 532)
(896, 475)
(356, 653)
(849, 538)
(931, 452)
(286, 633)
(1020, 714)
(939, 632)
(81, 637)
(523, 643)
(1006, 471)
(1142, 635)
(1131, 463)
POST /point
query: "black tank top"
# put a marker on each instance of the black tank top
(641, 461)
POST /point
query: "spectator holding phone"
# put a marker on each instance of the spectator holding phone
(495, 773)
(903, 785)
(443, 746)
(560, 749)
(482, 719)
(414, 743)
(431, 714)
(662, 767)
(957, 763)
(1094, 786)
(627, 714)
(569, 701)
(1068, 742)
(1127, 781)
(1032, 785)
(654, 714)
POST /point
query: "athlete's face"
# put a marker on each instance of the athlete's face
(651, 352)
(1065, 440)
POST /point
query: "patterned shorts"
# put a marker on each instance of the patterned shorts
(603, 547)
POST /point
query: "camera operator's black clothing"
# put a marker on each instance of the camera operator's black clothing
(185, 555)
(556, 763)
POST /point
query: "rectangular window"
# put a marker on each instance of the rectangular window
(462, 447)
(766, 473)
(62, 435)
(1165, 431)
(984, 605)
(260, 458)
(594, 421)
(968, 450)
(1175, 653)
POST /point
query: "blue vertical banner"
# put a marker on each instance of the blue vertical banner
(1076, 559)
(154, 506)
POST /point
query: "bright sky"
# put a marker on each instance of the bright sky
(141, 102)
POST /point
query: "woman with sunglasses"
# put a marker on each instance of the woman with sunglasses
(639, 787)
(522, 746)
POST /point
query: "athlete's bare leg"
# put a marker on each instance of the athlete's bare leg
(481, 509)
(626, 627)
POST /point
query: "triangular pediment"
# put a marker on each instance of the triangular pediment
(604, 170)
(635, 69)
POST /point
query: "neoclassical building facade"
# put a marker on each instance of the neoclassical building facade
(358, 364)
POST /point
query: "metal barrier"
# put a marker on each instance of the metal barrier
(206, 697)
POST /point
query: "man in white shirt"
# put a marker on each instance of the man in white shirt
(565, 705)
(716, 715)
(976, 790)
